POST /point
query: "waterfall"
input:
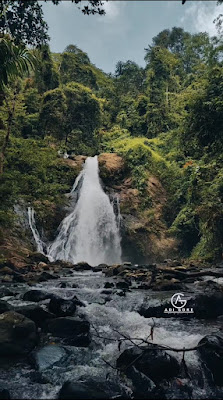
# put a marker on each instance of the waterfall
(90, 232)
(31, 218)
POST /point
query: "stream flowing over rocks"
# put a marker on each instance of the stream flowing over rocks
(102, 328)
(78, 333)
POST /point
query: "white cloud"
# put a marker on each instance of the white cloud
(200, 15)
(113, 9)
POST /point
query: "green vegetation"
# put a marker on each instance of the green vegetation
(165, 120)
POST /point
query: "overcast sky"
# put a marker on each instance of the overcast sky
(126, 29)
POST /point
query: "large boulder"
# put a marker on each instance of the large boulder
(18, 334)
(35, 313)
(151, 361)
(90, 389)
(4, 306)
(48, 356)
(36, 295)
(62, 307)
(74, 331)
(111, 166)
(5, 292)
(211, 352)
(209, 305)
(36, 257)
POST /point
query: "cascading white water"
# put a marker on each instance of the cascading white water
(32, 224)
(90, 232)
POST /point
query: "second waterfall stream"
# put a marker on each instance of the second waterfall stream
(90, 232)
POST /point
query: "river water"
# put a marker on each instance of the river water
(107, 313)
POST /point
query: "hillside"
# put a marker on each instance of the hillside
(164, 121)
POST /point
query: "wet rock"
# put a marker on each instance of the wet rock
(82, 266)
(165, 285)
(5, 292)
(36, 295)
(152, 362)
(38, 257)
(89, 388)
(122, 285)
(153, 311)
(35, 313)
(19, 278)
(4, 306)
(17, 334)
(109, 285)
(82, 391)
(114, 270)
(212, 355)
(121, 293)
(46, 276)
(5, 394)
(210, 304)
(48, 356)
(143, 386)
(75, 331)
(6, 271)
(62, 307)
(7, 278)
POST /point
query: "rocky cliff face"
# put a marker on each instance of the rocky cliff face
(144, 232)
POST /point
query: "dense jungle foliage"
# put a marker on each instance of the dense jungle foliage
(165, 119)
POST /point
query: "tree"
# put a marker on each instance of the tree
(17, 60)
(53, 114)
(162, 84)
(129, 77)
(75, 67)
(46, 75)
(71, 114)
(24, 21)
(204, 124)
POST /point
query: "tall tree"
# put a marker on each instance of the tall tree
(17, 60)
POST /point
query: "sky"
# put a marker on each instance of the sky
(127, 28)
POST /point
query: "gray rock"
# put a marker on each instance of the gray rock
(18, 334)
(48, 356)
(75, 331)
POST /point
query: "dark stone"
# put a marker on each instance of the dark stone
(4, 306)
(143, 386)
(212, 355)
(46, 276)
(109, 285)
(210, 304)
(82, 266)
(121, 293)
(18, 278)
(48, 356)
(4, 394)
(122, 285)
(38, 257)
(82, 391)
(75, 331)
(17, 334)
(166, 285)
(5, 292)
(36, 295)
(153, 311)
(151, 361)
(35, 313)
(62, 307)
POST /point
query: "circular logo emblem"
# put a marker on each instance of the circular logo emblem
(177, 301)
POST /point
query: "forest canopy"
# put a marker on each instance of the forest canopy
(164, 118)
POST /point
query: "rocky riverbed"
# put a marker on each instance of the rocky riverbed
(75, 331)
